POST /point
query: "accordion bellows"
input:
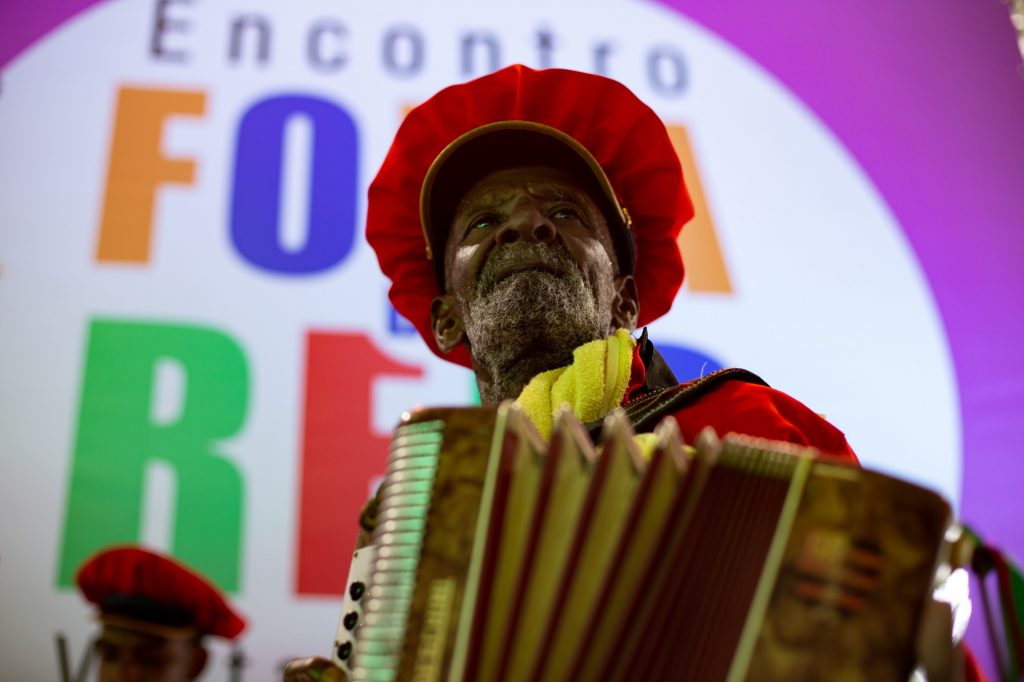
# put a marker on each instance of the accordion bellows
(502, 558)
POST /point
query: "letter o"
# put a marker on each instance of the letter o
(256, 195)
(666, 70)
(403, 63)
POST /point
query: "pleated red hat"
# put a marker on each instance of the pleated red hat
(140, 585)
(592, 126)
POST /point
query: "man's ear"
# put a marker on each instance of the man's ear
(199, 657)
(625, 304)
(446, 322)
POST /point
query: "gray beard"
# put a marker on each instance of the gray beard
(531, 321)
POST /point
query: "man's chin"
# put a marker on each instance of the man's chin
(531, 303)
(531, 321)
(530, 313)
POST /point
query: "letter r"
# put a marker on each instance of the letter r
(118, 439)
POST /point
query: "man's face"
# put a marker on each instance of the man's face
(127, 655)
(504, 220)
(530, 269)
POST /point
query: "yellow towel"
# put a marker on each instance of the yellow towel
(592, 386)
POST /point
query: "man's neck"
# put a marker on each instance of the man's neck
(508, 381)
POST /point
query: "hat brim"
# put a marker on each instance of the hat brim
(513, 144)
(147, 627)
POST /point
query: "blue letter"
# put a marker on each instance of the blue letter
(256, 197)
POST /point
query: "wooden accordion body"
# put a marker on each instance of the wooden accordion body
(497, 557)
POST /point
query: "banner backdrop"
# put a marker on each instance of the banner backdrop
(198, 353)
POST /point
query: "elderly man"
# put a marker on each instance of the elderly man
(527, 214)
(528, 223)
(155, 614)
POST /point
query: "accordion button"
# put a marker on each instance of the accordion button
(344, 650)
(351, 618)
(356, 590)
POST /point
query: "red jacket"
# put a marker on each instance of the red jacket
(733, 405)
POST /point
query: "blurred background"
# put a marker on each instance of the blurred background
(197, 352)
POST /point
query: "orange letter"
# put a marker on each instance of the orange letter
(138, 166)
(705, 267)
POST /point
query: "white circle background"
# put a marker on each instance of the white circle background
(829, 303)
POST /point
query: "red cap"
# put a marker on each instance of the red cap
(140, 585)
(623, 142)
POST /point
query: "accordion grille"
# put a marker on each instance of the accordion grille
(404, 503)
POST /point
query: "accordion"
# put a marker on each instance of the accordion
(499, 557)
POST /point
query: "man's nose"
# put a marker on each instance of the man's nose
(122, 670)
(527, 224)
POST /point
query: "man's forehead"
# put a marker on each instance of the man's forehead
(506, 184)
(122, 636)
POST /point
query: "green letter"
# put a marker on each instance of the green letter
(118, 439)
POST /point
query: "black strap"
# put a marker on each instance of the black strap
(646, 411)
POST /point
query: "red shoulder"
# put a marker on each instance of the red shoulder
(763, 412)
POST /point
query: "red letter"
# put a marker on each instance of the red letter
(340, 453)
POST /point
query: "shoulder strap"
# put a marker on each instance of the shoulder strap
(646, 411)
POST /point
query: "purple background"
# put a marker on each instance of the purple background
(929, 97)
(931, 103)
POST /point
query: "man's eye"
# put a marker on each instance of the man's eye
(565, 214)
(483, 222)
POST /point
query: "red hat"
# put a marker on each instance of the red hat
(592, 125)
(136, 584)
